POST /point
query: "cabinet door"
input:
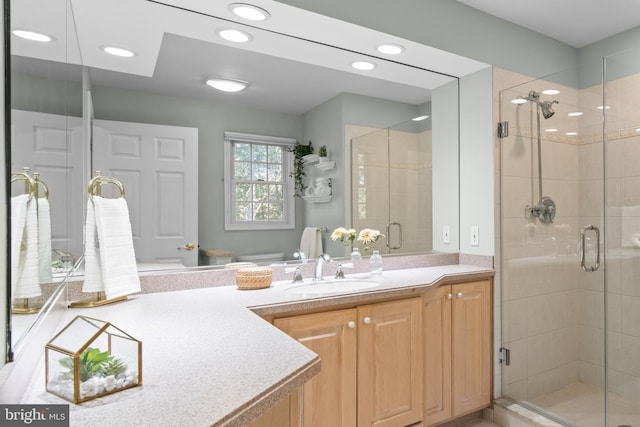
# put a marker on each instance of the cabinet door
(329, 398)
(472, 338)
(437, 355)
(390, 363)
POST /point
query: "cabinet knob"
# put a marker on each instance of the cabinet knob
(449, 296)
(459, 295)
(351, 324)
(366, 320)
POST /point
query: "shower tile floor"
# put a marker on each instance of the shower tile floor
(582, 404)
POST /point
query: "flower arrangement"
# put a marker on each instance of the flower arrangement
(345, 236)
(367, 236)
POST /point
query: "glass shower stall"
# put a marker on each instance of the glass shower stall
(569, 262)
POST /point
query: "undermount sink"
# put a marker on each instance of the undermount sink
(333, 286)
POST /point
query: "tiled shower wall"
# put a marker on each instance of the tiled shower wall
(406, 167)
(553, 313)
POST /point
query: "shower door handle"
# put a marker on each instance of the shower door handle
(583, 234)
(399, 235)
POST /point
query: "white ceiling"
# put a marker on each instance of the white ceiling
(574, 22)
(177, 50)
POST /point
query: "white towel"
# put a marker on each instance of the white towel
(24, 248)
(311, 242)
(44, 240)
(111, 267)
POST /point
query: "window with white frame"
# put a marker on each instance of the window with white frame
(258, 188)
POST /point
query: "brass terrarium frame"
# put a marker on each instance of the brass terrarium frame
(75, 355)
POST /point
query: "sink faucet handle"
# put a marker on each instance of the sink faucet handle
(339, 272)
(299, 254)
(297, 276)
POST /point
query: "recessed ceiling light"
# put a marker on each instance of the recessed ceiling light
(571, 133)
(518, 101)
(600, 107)
(420, 118)
(575, 114)
(118, 51)
(227, 85)
(638, 130)
(32, 35)
(232, 35)
(551, 92)
(363, 65)
(551, 130)
(249, 11)
(390, 49)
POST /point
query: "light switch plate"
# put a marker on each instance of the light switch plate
(446, 234)
(474, 236)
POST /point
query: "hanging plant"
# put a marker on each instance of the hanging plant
(299, 151)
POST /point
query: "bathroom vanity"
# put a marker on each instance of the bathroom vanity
(222, 356)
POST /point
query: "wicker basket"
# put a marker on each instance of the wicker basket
(254, 278)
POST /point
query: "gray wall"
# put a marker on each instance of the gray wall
(212, 119)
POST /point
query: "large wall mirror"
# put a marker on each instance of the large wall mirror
(151, 121)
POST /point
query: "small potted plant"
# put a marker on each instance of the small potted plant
(322, 153)
(300, 152)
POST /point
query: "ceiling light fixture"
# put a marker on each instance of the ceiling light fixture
(118, 51)
(363, 65)
(227, 85)
(390, 49)
(571, 133)
(551, 91)
(575, 114)
(603, 107)
(33, 36)
(551, 130)
(518, 101)
(232, 35)
(420, 118)
(249, 11)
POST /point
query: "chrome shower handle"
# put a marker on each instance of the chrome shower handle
(389, 234)
(592, 268)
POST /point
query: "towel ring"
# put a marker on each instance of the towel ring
(28, 182)
(37, 183)
(98, 181)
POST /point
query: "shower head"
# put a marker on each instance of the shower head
(545, 106)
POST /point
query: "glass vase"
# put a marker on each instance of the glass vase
(375, 263)
(355, 254)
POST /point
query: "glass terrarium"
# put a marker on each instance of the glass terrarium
(90, 358)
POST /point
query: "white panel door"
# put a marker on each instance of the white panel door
(158, 166)
(51, 145)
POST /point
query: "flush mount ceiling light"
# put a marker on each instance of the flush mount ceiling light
(575, 114)
(232, 35)
(571, 133)
(363, 65)
(249, 11)
(518, 101)
(551, 130)
(32, 35)
(551, 92)
(118, 51)
(390, 49)
(420, 118)
(603, 107)
(227, 85)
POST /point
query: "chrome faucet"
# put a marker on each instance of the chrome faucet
(317, 275)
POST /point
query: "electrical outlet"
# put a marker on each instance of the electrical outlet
(446, 233)
(474, 236)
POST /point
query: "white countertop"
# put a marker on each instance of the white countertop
(208, 358)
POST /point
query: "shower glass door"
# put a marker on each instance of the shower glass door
(622, 173)
(391, 185)
(553, 230)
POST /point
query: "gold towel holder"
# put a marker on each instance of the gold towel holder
(96, 183)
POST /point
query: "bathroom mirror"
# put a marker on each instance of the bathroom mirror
(301, 87)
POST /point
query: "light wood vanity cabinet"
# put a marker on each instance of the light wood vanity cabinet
(371, 365)
(458, 343)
